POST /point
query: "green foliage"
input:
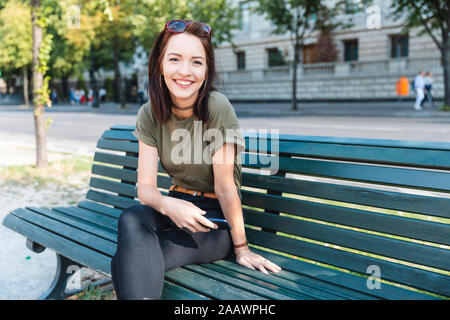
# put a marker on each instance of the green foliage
(15, 36)
(431, 17)
(108, 32)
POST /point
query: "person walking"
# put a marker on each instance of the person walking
(164, 232)
(419, 86)
(90, 96)
(428, 85)
(72, 98)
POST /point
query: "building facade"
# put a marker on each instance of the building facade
(371, 56)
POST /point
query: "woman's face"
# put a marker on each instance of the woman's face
(184, 68)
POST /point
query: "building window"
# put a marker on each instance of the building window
(351, 50)
(355, 6)
(275, 57)
(399, 46)
(240, 57)
(244, 16)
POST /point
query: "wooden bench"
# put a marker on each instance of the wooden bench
(339, 214)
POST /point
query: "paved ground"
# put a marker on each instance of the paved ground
(25, 275)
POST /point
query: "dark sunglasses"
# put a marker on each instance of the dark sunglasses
(178, 26)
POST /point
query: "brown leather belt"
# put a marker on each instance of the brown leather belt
(192, 192)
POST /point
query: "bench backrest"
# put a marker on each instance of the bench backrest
(362, 205)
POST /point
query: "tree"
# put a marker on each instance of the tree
(72, 25)
(16, 41)
(299, 18)
(432, 18)
(325, 49)
(42, 43)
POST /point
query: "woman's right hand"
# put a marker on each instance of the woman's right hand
(187, 215)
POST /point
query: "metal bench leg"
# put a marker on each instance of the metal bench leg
(64, 269)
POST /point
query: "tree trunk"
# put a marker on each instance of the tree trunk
(294, 74)
(25, 86)
(38, 79)
(93, 80)
(446, 65)
(65, 87)
(118, 94)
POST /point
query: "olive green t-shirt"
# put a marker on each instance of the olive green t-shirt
(186, 146)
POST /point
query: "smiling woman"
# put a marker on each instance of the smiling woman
(165, 232)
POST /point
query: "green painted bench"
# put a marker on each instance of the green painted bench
(338, 215)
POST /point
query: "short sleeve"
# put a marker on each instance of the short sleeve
(145, 126)
(224, 125)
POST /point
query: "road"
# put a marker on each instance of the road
(84, 128)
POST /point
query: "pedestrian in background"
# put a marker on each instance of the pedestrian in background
(72, 99)
(90, 96)
(82, 96)
(428, 85)
(419, 86)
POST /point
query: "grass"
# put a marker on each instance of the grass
(71, 171)
(445, 108)
(94, 293)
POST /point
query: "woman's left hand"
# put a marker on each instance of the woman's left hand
(254, 261)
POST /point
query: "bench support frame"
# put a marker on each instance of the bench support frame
(65, 268)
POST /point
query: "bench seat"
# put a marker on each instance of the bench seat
(296, 218)
(89, 237)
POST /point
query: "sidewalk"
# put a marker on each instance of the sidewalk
(271, 109)
(24, 274)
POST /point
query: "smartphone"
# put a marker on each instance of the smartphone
(221, 223)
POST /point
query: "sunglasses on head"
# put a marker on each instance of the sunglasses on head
(178, 26)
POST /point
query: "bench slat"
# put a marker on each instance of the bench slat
(207, 286)
(118, 145)
(127, 161)
(114, 200)
(63, 246)
(353, 141)
(401, 177)
(346, 284)
(393, 248)
(117, 173)
(413, 277)
(372, 221)
(99, 220)
(404, 156)
(118, 135)
(88, 239)
(340, 282)
(434, 206)
(96, 207)
(287, 279)
(113, 186)
(257, 287)
(271, 281)
(73, 219)
(171, 291)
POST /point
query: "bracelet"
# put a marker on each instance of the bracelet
(241, 245)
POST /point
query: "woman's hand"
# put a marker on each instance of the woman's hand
(186, 215)
(252, 260)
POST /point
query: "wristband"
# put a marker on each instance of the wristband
(241, 245)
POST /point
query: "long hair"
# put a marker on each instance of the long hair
(157, 89)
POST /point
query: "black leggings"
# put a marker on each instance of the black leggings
(150, 243)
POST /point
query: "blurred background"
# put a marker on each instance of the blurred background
(70, 69)
(354, 50)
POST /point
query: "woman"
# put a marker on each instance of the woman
(165, 232)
